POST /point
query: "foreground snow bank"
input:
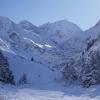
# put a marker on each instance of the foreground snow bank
(55, 93)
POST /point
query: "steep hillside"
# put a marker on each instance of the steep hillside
(78, 43)
(58, 32)
(27, 51)
(85, 69)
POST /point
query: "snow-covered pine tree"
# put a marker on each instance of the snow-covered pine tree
(69, 72)
(91, 69)
(23, 79)
(6, 75)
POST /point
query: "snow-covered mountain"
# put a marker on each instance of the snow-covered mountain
(59, 31)
(85, 67)
(40, 52)
(78, 43)
(27, 49)
(29, 26)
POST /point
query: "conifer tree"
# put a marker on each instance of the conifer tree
(23, 79)
(6, 75)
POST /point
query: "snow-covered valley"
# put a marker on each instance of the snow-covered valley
(49, 62)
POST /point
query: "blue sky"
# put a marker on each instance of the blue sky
(84, 13)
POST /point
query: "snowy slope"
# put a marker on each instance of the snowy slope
(36, 70)
(78, 43)
(28, 26)
(60, 31)
(28, 52)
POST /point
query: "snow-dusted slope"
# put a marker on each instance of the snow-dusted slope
(26, 49)
(29, 26)
(93, 31)
(78, 43)
(34, 65)
(60, 31)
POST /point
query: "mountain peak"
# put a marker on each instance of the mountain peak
(67, 24)
(59, 31)
(28, 26)
(26, 23)
(4, 20)
(98, 23)
(62, 21)
(6, 23)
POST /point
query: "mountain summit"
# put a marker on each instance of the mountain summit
(59, 31)
(28, 26)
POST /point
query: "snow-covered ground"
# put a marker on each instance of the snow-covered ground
(52, 93)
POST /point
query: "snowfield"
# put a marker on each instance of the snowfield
(52, 93)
